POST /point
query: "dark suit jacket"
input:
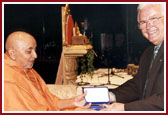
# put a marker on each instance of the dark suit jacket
(131, 93)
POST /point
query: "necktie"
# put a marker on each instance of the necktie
(155, 51)
(156, 48)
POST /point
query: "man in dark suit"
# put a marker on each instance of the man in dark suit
(145, 92)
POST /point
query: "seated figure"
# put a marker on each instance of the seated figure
(24, 89)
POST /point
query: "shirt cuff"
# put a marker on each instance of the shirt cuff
(112, 97)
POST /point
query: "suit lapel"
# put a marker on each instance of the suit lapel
(153, 72)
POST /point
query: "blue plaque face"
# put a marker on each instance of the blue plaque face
(97, 96)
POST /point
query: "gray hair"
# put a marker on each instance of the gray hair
(141, 6)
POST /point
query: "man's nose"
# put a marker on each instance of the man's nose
(148, 24)
(34, 54)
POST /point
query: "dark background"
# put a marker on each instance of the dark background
(43, 21)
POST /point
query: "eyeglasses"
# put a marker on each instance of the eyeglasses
(153, 21)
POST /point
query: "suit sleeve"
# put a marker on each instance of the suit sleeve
(130, 91)
(127, 92)
(152, 103)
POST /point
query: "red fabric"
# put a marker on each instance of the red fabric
(69, 28)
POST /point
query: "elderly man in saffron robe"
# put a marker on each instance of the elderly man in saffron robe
(24, 89)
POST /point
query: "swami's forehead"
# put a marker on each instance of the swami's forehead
(20, 38)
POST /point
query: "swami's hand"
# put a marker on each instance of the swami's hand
(79, 101)
(74, 102)
(113, 107)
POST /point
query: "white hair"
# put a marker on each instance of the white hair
(141, 6)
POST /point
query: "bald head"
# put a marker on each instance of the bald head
(16, 37)
(20, 47)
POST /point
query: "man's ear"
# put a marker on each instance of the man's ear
(12, 54)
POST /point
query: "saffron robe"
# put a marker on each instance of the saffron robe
(26, 90)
